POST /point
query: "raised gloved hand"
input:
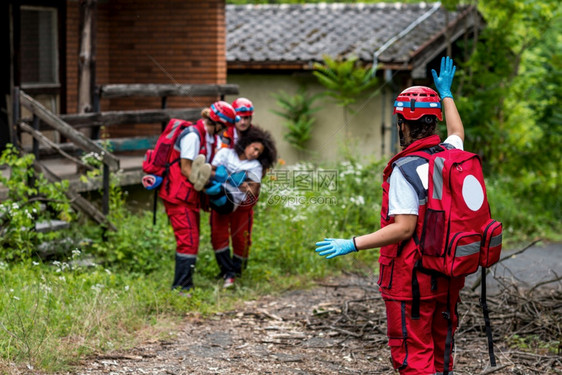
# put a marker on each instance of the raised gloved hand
(333, 247)
(445, 80)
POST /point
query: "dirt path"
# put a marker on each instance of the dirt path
(325, 330)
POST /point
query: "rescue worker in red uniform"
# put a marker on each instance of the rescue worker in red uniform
(236, 225)
(420, 307)
(195, 146)
(245, 110)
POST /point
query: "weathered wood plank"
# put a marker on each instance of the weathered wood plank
(68, 131)
(127, 90)
(116, 118)
(50, 144)
(115, 145)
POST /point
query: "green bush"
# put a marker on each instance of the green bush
(31, 198)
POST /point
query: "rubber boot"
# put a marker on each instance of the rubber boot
(225, 262)
(239, 265)
(183, 277)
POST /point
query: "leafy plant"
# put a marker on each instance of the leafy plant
(344, 80)
(297, 110)
(31, 198)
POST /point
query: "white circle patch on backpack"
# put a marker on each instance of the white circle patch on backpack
(472, 193)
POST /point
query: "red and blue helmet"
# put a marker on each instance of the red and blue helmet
(243, 107)
(418, 101)
(223, 112)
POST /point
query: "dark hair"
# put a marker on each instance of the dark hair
(423, 127)
(256, 134)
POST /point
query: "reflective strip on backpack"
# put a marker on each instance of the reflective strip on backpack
(400, 162)
(174, 129)
(438, 178)
(496, 240)
(468, 249)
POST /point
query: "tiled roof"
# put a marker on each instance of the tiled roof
(306, 32)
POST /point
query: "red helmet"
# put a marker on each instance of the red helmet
(224, 113)
(243, 107)
(417, 101)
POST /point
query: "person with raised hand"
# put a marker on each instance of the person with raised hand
(419, 344)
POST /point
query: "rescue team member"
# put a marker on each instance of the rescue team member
(180, 192)
(253, 154)
(417, 346)
(245, 110)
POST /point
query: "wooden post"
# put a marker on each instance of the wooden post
(105, 200)
(163, 106)
(15, 117)
(35, 141)
(32, 177)
(87, 59)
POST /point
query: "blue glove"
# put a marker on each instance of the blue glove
(214, 188)
(333, 247)
(221, 174)
(219, 202)
(237, 178)
(445, 80)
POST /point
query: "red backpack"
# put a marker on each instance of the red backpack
(156, 160)
(458, 233)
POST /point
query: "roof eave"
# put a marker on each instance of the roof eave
(438, 43)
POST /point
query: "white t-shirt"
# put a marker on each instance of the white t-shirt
(402, 198)
(229, 158)
(190, 145)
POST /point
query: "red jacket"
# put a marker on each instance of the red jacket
(176, 188)
(397, 261)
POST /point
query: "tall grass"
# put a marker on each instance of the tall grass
(52, 314)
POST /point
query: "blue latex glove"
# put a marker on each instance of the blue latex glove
(219, 201)
(237, 178)
(221, 174)
(445, 80)
(333, 247)
(214, 188)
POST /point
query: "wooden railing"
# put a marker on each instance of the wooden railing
(68, 125)
(110, 162)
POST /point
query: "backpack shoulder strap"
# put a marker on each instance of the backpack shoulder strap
(412, 166)
(187, 130)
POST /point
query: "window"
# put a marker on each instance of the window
(39, 57)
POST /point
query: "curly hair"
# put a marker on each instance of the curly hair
(420, 128)
(256, 134)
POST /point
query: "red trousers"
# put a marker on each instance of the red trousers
(418, 346)
(238, 225)
(185, 222)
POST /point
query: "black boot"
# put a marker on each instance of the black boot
(183, 278)
(225, 262)
(239, 265)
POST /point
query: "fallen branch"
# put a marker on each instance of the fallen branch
(493, 369)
